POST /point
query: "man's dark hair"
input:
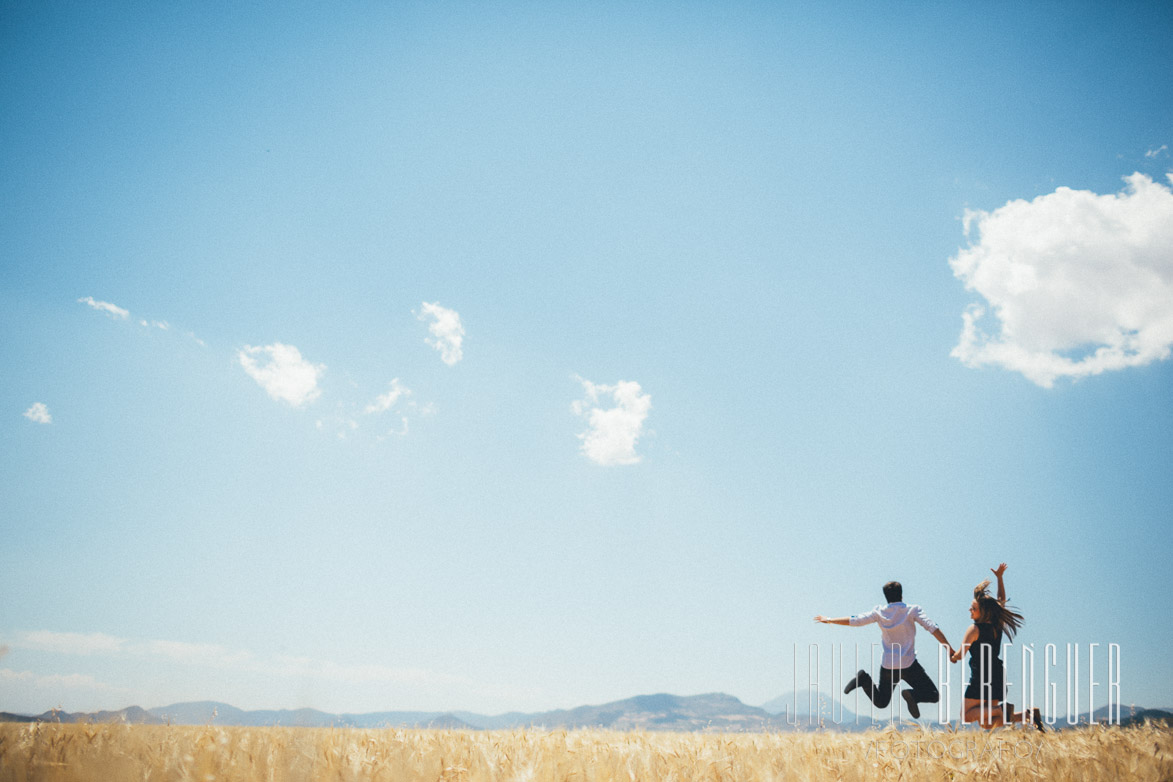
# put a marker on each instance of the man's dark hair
(893, 592)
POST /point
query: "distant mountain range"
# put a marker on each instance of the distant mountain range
(794, 709)
(710, 712)
(716, 712)
(131, 714)
(1129, 715)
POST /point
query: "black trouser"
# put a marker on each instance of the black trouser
(923, 689)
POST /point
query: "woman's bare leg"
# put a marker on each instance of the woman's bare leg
(991, 715)
(984, 713)
(1032, 717)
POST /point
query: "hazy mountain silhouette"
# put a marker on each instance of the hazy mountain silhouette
(131, 714)
(1140, 716)
(1129, 715)
(716, 712)
(212, 712)
(794, 709)
(713, 712)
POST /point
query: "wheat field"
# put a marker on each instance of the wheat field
(114, 752)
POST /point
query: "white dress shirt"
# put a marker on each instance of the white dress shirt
(897, 630)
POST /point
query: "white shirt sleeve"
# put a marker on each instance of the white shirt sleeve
(855, 620)
(921, 619)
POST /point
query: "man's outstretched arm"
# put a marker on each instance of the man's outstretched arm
(941, 638)
(843, 620)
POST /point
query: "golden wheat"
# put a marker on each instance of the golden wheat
(115, 752)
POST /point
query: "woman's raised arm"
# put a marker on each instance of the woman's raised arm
(998, 571)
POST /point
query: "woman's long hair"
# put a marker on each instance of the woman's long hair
(995, 611)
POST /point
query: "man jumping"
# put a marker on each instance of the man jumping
(898, 632)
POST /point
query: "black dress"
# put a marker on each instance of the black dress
(986, 673)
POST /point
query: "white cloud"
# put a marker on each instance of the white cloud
(303, 668)
(88, 644)
(113, 310)
(54, 680)
(1153, 153)
(282, 372)
(210, 655)
(401, 432)
(446, 329)
(1075, 283)
(387, 401)
(213, 656)
(38, 413)
(612, 432)
(172, 671)
(70, 643)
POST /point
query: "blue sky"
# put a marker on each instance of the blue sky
(518, 356)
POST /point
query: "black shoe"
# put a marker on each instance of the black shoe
(1037, 718)
(856, 680)
(913, 708)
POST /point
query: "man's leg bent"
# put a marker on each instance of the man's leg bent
(881, 694)
(923, 689)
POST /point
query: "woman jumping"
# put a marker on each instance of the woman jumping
(992, 619)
